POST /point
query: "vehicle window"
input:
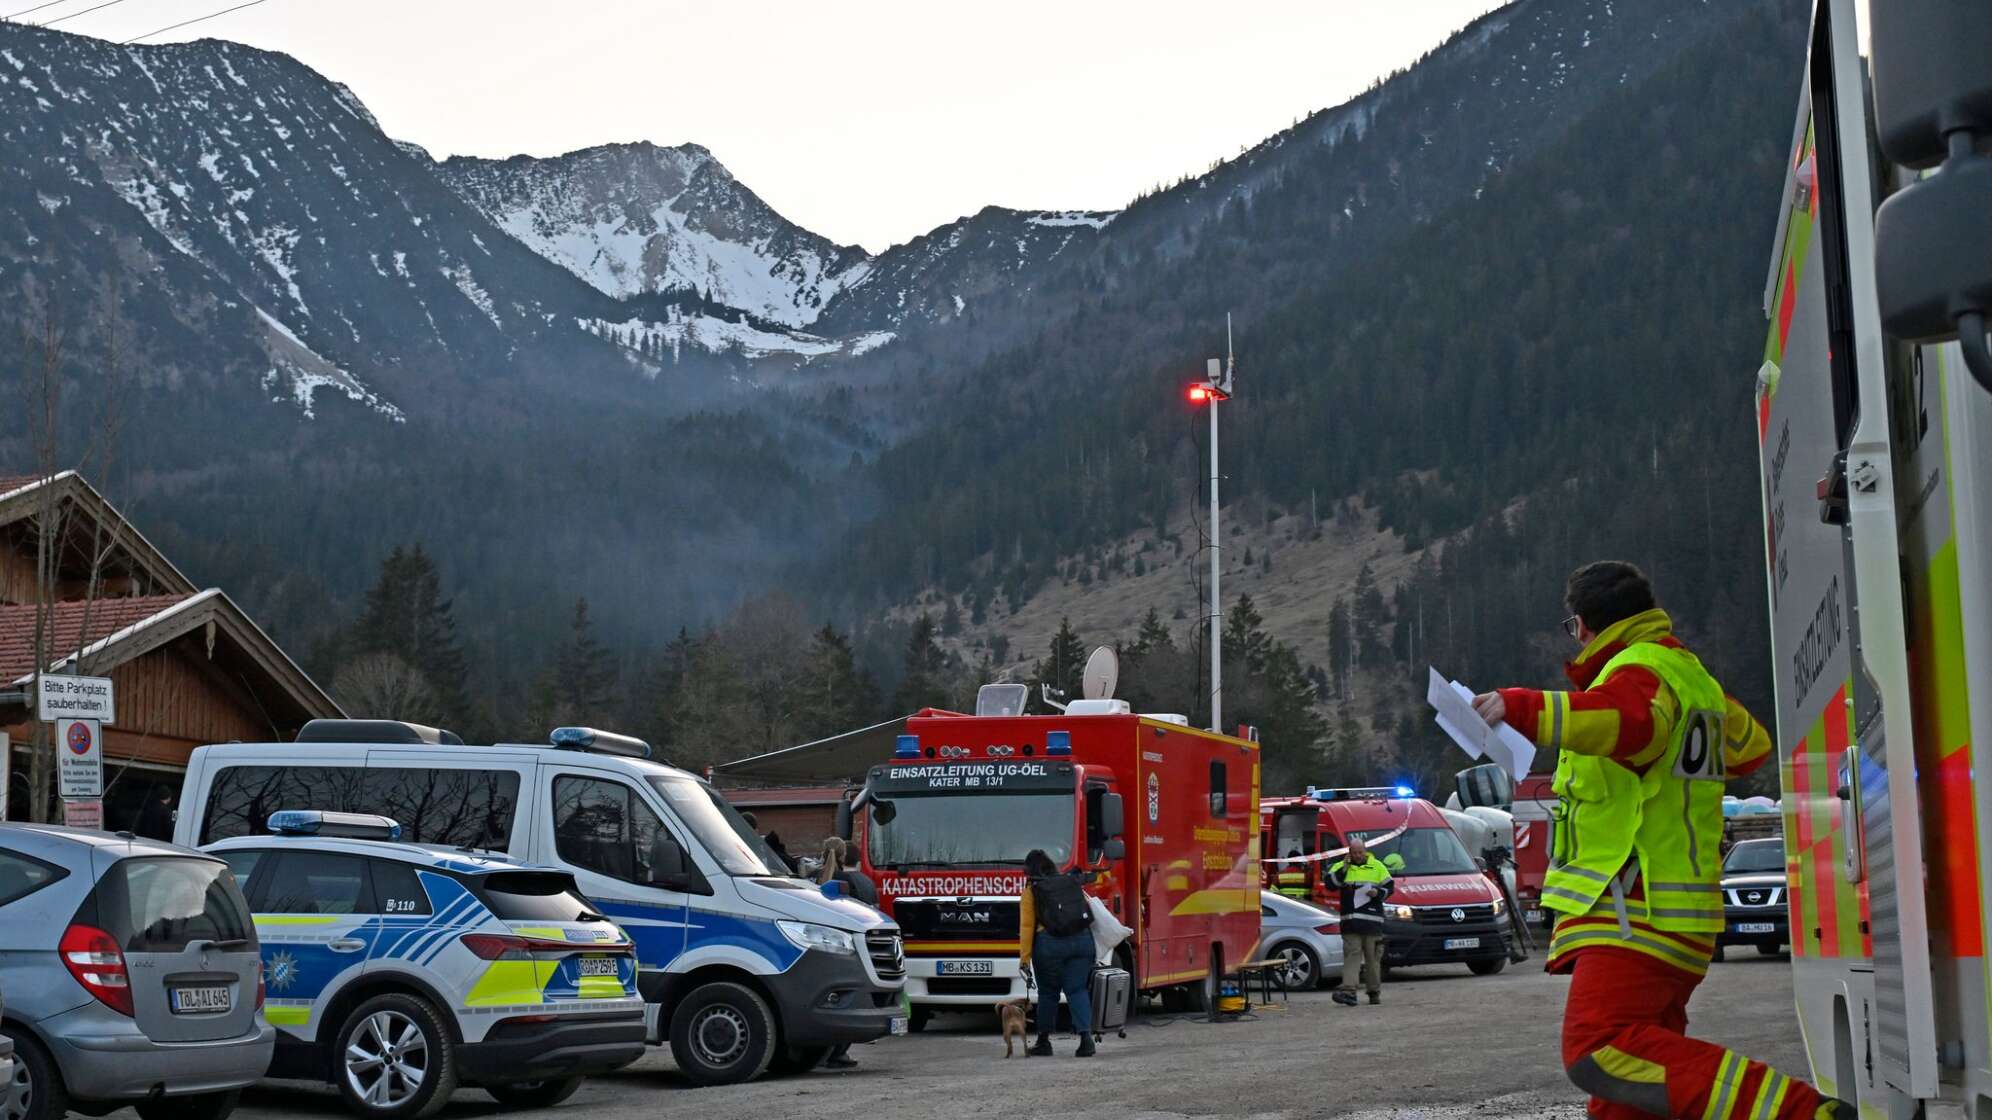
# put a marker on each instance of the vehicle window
(1266, 911)
(605, 826)
(532, 896)
(1096, 838)
(158, 905)
(318, 883)
(717, 826)
(1217, 789)
(242, 864)
(1419, 851)
(397, 889)
(21, 876)
(457, 808)
(1759, 857)
(973, 829)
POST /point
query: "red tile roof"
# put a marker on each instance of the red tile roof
(12, 482)
(107, 617)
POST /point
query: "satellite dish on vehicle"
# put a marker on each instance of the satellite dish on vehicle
(1102, 674)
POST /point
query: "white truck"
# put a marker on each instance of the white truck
(1875, 423)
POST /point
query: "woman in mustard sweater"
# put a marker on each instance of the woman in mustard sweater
(1060, 953)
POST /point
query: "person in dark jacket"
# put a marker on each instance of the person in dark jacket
(1062, 961)
(859, 886)
(155, 820)
(1363, 881)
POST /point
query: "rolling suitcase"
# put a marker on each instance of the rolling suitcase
(1110, 996)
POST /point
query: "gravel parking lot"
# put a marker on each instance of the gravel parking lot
(1443, 1045)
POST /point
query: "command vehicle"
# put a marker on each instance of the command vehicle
(397, 971)
(1875, 429)
(1444, 909)
(741, 966)
(964, 798)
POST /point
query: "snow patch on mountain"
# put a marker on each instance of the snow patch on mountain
(714, 334)
(1093, 219)
(300, 372)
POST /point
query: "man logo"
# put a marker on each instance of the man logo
(965, 900)
(1459, 915)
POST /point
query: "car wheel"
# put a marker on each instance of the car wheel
(534, 1094)
(723, 1034)
(918, 1020)
(36, 1092)
(393, 1060)
(1300, 969)
(1487, 967)
(191, 1106)
(1718, 954)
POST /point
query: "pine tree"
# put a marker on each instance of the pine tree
(405, 615)
(1154, 634)
(832, 695)
(584, 673)
(1064, 664)
(1244, 637)
(923, 677)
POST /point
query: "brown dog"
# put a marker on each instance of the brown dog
(1012, 1014)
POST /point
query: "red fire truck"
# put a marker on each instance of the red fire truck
(943, 828)
(1532, 808)
(1445, 909)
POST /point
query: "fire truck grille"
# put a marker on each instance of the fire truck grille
(956, 919)
(1443, 915)
(965, 986)
(887, 956)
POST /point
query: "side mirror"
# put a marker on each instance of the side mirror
(1113, 816)
(1114, 848)
(883, 812)
(671, 871)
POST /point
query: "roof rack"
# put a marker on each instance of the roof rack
(375, 731)
(598, 742)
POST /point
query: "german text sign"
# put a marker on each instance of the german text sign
(79, 749)
(77, 698)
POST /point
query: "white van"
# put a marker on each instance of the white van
(742, 968)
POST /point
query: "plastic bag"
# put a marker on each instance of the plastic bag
(1108, 932)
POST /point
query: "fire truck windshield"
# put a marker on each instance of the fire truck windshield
(1422, 851)
(980, 829)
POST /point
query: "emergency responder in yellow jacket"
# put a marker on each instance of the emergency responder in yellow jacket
(1362, 881)
(1645, 745)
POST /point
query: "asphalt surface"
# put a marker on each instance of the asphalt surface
(1444, 1045)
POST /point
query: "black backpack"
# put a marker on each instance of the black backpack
(1061, 905)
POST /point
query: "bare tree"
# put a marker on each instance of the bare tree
(383, 686)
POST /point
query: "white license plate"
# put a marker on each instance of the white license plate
(1462, 943)
(1756, 927)
(197, 1001)
(898, 1025)
(1533, 917)
(964, 968)
(599, 966)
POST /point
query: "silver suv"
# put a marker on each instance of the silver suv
(132, 976)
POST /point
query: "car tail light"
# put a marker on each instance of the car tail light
(261, 988)
(95, 960)
(498, 946)
(1330, 928)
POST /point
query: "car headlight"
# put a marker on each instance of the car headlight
(809, 935)
(1500, 906)
(1404, 913)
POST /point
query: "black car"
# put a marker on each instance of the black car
(1753, 898)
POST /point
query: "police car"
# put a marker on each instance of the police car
(399, 971)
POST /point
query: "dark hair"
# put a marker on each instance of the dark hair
(1606, 592)
(1037, 865)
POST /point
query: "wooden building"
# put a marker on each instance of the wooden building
(189, 667)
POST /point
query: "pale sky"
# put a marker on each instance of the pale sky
(868, 121)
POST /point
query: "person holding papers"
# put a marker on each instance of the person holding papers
(1645, 744)
(1363, 881)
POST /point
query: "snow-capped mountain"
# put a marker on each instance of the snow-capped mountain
(636, 218)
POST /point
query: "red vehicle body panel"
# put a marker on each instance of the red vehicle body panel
(1188, 881)
(1534, 835)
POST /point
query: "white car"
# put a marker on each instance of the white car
(1306, 937)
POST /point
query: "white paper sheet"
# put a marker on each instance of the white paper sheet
(1452, 710)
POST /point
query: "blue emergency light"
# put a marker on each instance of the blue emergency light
(1058, 742)
(599, 742)
(1406, 791)
(350, 826)
(906, 746)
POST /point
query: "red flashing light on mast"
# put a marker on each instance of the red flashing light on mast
(1199, 394)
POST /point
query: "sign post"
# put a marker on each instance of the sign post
(61, 697)
(79, 747)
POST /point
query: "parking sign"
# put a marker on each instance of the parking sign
(79, 745)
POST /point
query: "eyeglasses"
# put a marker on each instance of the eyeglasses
(1572, 626)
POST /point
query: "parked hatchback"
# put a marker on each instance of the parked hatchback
(132, 976)
(1306, 938)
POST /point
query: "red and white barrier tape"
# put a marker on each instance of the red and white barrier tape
(1338, 853)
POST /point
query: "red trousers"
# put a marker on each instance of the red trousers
(1625, 1042)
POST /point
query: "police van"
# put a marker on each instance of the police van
(742, 968)
(398, 971)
